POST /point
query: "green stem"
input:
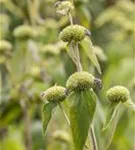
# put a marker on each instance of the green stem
(27, 125)
(75, 56)
(110, 137)
(92, 137)
(70, 18)
(65, 115)
(78, 63)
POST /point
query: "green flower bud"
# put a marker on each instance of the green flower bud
(64, 7)
(5, 46)
(80, 81)
(55, 94)
(118, 93)
(73, 33)
(24, 32)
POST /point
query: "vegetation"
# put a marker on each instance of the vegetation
(67, 75)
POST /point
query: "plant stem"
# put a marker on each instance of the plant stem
(75, 56)
(92, 138)
(113, 130)
(70, 18)
(65, 115)
(27, 125)
(73, 53)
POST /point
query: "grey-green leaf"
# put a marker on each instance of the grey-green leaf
(81, 116)
(110, 114)
(89, 50)
(47, 114)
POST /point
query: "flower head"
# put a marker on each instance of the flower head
(24, 32)
(64, 7)
(118, 93)
(80, 81)
(5, 46)
(73, 33)
(55, 94)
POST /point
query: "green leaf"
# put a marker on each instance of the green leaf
(90, 52)
(110, 114)
(81, 116)
(129, 104)
(73, 52)
(47, 114)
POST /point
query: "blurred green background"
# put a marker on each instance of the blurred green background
(32, 58)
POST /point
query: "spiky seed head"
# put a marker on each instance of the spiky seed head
(118, 93)
(24, 32)
(80, 81)
(5, 46)
(55, 94)
(64, 7)
(73, 33)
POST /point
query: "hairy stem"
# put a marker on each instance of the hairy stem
(92, 137)
(78, 63)
(65, 115)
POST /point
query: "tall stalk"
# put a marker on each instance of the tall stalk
(75, 56)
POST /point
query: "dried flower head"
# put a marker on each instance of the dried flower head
(118, 93)
(73, 33)
(24, 32)
(64, 7)
(55, 94)
(80, 81)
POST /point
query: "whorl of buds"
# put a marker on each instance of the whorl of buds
(5, 46)
(73, 33)
(24, 32)
(64, 7)
(80, 81)
(118, 93)
(55, 94)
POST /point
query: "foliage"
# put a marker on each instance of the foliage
(33, 58)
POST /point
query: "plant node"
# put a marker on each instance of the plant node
(74, 33)
(55, 94)
(80, 81)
